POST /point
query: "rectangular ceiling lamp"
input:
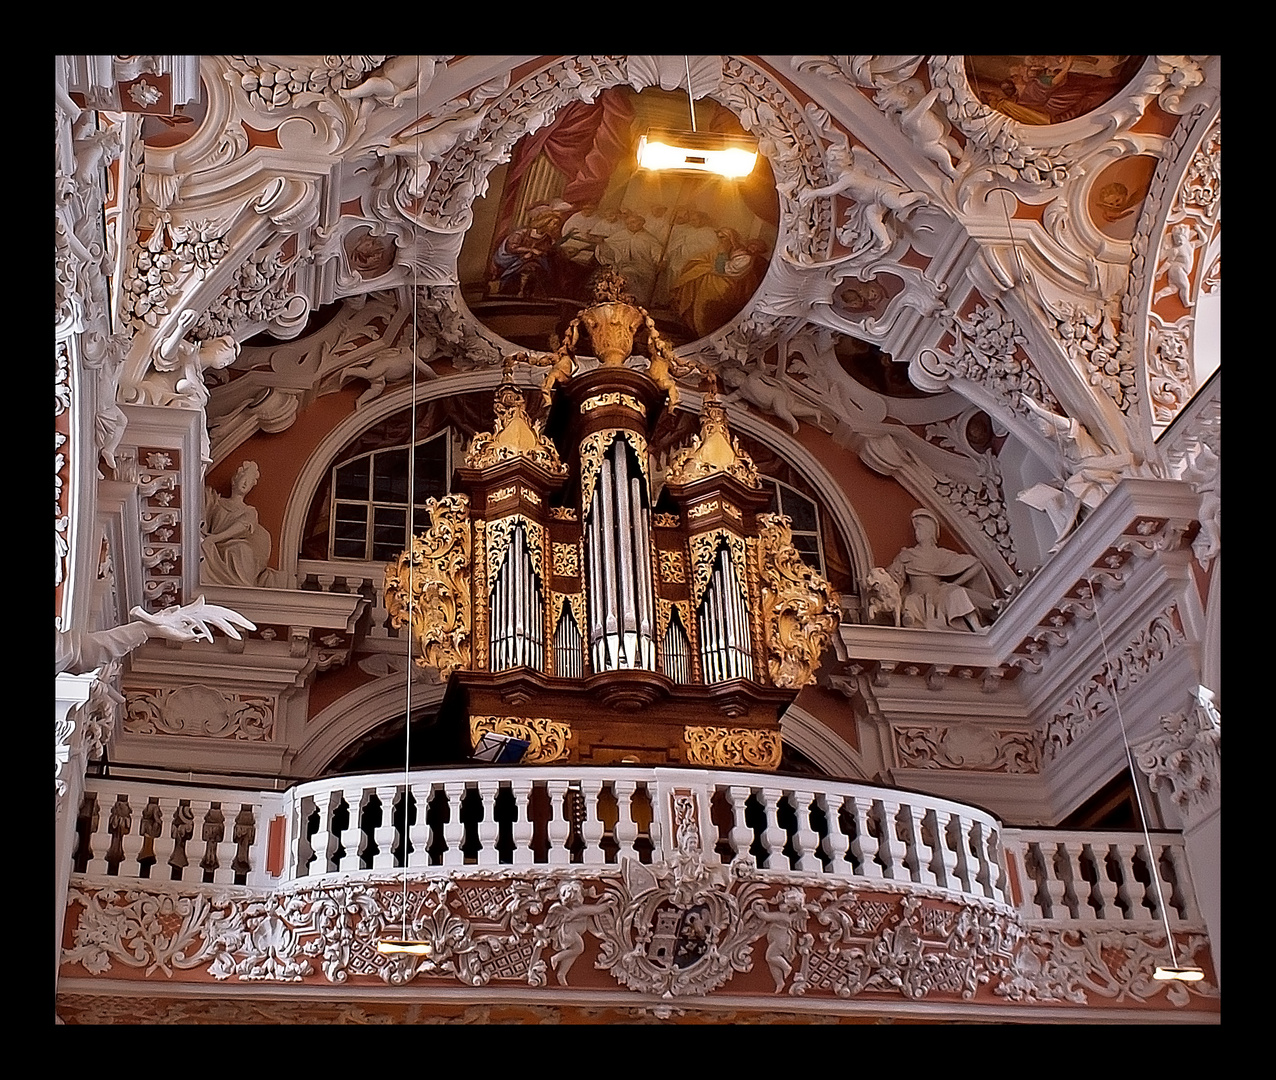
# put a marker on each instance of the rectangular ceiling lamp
(724, 155)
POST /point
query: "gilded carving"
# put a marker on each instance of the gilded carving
(799, 609)
(566, 562)
(547, 738)
(498, 540)
(665, 521)
(514, 436)
(704, 550)
(593, 448)
(713, 451)
(432, 581)
(727, 747)
(701, 509)
(562, 513)
(613, 398)
(671, 567)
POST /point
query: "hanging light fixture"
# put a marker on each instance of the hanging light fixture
(730, 156)
(404, 945)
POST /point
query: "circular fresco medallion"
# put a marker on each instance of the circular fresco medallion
(1049, 89)
(572, 202)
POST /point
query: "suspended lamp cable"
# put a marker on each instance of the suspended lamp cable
(691, 102)
(404, 944)
(1177, 971)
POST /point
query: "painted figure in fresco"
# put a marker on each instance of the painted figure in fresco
(1052, 89)
(715, 285)
(634, 254)
(235, 547)
(523, 261)
(942, 589)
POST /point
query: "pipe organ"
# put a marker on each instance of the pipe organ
(549, 592)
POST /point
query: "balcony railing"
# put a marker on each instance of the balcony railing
(493, 817)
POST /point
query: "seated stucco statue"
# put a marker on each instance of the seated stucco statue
(939, 589)
(235, 547)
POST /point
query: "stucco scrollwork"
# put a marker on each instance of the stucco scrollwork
(201, 711)
(968, 747)
(1186, 760)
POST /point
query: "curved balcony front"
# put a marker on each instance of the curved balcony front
(623, 887)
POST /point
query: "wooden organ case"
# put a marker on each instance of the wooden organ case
(564, 611)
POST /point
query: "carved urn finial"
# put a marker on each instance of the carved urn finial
(612, 320)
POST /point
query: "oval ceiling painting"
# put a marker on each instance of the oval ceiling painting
(1049, 89)
(692, 246)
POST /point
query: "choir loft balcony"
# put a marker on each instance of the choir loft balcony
(637, 887)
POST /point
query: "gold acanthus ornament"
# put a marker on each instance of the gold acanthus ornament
(799, 610)
(514, 436)
(547, 738)
(725, 747)
(713, 451)
(433, 579)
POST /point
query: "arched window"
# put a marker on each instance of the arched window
(805, 517)
(370, 497)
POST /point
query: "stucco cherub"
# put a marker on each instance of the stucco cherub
(866, 181)
(914, 107)
(566, 923)
(1177, 262)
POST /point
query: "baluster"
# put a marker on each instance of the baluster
(419, 829)
(1106, 887)
(626, 830)
(591, 827)
(353, 840)
(997, 868)
(489, 829)
(324, 842)
(890, 848)
(965, 867)
(559, 823)
(979, 848)
(1132, 890)
(131, 840)
(1080, 888)
(99, 840)
(1056, 884)
(303, 852)
(806, 841)
(741, 832)
(220, 830)
(836, 842)
(1179, 891)
(773, 836)
(385, 834)
(864, 846)
(523, 824)
(919, 852)
(943, 825)
(454, 829)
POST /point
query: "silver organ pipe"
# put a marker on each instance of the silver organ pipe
(725, 648)
(516, 602)
(618, 551)
(677, 651)
(569, 658)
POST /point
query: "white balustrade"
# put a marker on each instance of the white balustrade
(523, 816)
(1093, 877)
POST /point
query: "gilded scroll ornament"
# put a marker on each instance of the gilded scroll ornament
(725, 747)
(613, 398)
(713, 451)
(547, 739)
(671, 567)
(433, 579)
(566, 562)
(799, 609)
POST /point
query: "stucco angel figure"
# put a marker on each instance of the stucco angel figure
(190, 359)
(398, 79)
(1093, 472)
(1177, 262)
(770, 395)
(866, 181)
(423, 144)
(566, 923)
(388, 365)
(914, 107)
(79, 651)
(235, 547)
(940, 589)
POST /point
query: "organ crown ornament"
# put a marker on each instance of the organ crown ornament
(552, 598)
